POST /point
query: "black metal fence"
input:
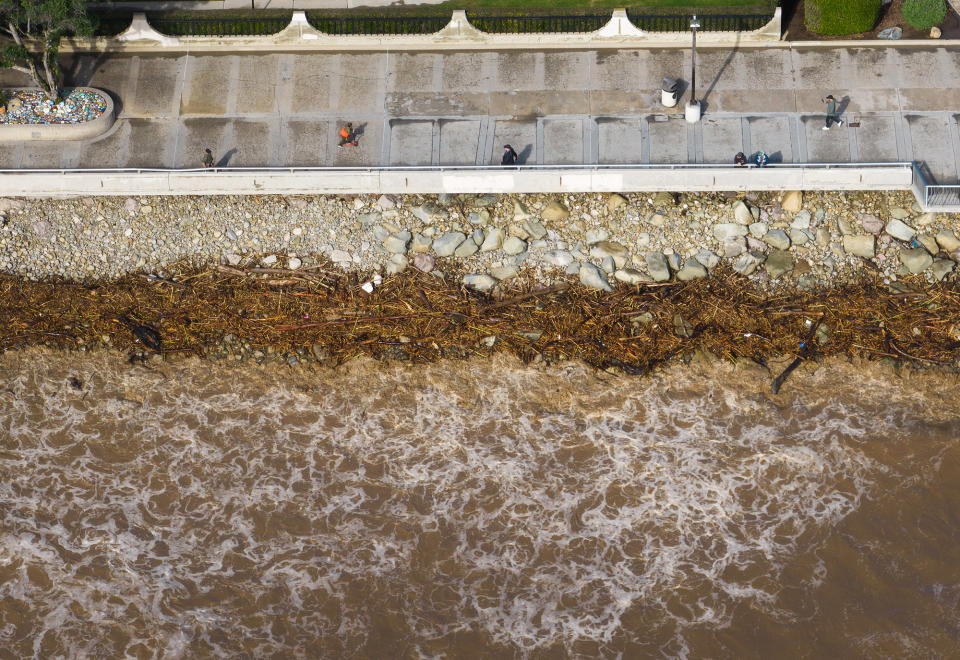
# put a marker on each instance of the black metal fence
(218, 27)
(708, 22)
(378, 24)
(110, 25)
(506, 24)
(491, 23)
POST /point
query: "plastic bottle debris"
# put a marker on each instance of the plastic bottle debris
(33, 107)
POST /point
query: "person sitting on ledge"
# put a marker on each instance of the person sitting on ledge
(740, 160)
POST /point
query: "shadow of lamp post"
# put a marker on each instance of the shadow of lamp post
(692, 112)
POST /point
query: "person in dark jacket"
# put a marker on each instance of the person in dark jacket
(509, 156)
(740, 160)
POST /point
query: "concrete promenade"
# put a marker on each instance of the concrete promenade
(554, 107)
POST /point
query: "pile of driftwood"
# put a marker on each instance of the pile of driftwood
(422, 317)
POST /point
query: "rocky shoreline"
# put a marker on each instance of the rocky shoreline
(794, 240)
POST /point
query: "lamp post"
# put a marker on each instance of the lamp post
(692, 112)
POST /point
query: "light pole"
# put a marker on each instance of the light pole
(692, 112)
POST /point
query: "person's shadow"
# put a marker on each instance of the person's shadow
(358, 132)
(524, 154)
(842, 106)
(226, 158)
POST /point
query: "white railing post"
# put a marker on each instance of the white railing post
(620, 26)
(141, 30)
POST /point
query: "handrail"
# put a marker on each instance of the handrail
(455, 168)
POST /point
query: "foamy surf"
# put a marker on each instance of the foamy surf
(460, 508)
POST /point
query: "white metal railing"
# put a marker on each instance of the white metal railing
(596, 167)
(934, 196)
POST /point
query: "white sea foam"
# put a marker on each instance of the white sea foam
(536, 508)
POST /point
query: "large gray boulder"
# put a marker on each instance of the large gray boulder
(593, 277)
(860, 245)
(657, 266)
(899, 230)
(560, 258)
(492, 241)
(447, 244)
(631, 276)
(916, 260)
(726, 231)
(605, 249)
(801, 220)
(555, 211)
(948, 241)
(420, 243)
(778, 239)
(692, 270)
(481, 282)
(733, 247)
(708, 258)
(396, 243)
(779, 262)
(747, 263)
(466, 249)
(514, 245)
(741, 212)
(428, 212)
(942, 268)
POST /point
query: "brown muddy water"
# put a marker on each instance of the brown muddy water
(475, 509)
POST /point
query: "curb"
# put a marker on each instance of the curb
(82, 131)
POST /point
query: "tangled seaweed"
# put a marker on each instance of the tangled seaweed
(318, 313)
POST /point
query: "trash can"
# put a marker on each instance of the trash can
(668, 92)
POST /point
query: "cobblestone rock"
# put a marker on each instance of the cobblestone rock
(860, 245)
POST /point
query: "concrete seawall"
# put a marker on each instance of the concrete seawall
(237, 181)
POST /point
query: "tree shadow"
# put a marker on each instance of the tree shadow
(79, 71)
(225, 160)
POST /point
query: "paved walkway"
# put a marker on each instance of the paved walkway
(553, 107)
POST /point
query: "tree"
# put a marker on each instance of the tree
(30, 33)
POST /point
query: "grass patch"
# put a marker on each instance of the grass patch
(924, 14)
(841, 16)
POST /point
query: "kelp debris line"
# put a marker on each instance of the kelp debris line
(323, 316)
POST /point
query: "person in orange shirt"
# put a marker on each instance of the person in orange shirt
(347, 136)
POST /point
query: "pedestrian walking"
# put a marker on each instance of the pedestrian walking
(832, 114)
(348, 136)
(207, 161)
(509, 156)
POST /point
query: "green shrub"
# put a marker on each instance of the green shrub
(841, 16)
(924, 14)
